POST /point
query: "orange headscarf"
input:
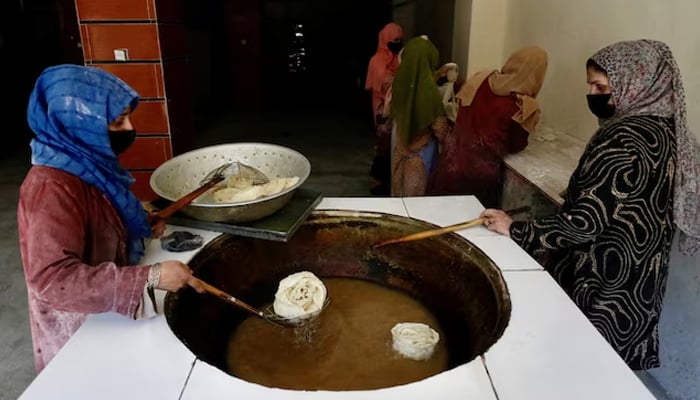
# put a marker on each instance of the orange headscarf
(383, 60)
(522, 75)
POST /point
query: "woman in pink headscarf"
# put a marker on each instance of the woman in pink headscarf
(380, 75)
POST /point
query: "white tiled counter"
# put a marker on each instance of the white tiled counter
(551, 351)
(469, 381)
(548, 351)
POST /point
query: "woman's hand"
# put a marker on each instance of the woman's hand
(175, 275)
(497, 221)
(157, 225)
(442, 71)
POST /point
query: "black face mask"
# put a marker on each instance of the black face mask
(395, 47)
(598, 104)
(121, 140)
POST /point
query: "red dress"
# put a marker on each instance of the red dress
(471, 155)
(72, 242)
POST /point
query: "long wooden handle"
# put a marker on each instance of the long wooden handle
(447, 229)
(187, 199)
(227, 297)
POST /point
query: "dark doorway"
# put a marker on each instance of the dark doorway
(34, 34)
(282, 54)
(317, 51)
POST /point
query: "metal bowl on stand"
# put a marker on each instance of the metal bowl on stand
(183, 173)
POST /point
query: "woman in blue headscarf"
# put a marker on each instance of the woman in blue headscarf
(81, 229)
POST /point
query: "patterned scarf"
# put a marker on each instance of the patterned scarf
(416, 100)
(69, 110)
(645, 80)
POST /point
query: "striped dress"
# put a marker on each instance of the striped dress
(609, 245)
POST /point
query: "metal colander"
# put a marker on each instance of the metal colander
(182, 174)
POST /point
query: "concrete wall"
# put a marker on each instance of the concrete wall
(487, 35)
(405, 15)
(435, 18)
(680, 329)
(460, 34)
(429, 17)
(571, 31)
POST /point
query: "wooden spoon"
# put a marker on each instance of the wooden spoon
(228, 298)
(447, 229)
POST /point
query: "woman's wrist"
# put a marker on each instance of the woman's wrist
(153, 276)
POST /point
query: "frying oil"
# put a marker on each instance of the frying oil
(349, 347)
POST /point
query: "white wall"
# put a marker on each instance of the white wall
(460, 34)
(571, 31)
(487, 35)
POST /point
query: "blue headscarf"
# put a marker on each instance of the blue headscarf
(69, 110)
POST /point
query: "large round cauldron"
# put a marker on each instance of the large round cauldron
(454, 279)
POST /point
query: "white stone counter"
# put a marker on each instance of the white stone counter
(548, 161)
(548, 351)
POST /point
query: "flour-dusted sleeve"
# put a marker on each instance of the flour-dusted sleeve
(608, 174)
(53, 220)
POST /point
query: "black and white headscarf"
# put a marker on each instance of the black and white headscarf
(645, 80)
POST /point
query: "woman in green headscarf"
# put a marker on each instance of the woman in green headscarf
(419, 116)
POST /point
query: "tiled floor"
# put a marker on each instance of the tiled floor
(338, 145)
(16, 357)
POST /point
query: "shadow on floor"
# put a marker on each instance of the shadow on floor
(338, 145)
(17, 365)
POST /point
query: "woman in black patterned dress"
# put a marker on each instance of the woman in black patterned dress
(608, 247)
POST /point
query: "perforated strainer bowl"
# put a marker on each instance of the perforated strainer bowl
(182, 174)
